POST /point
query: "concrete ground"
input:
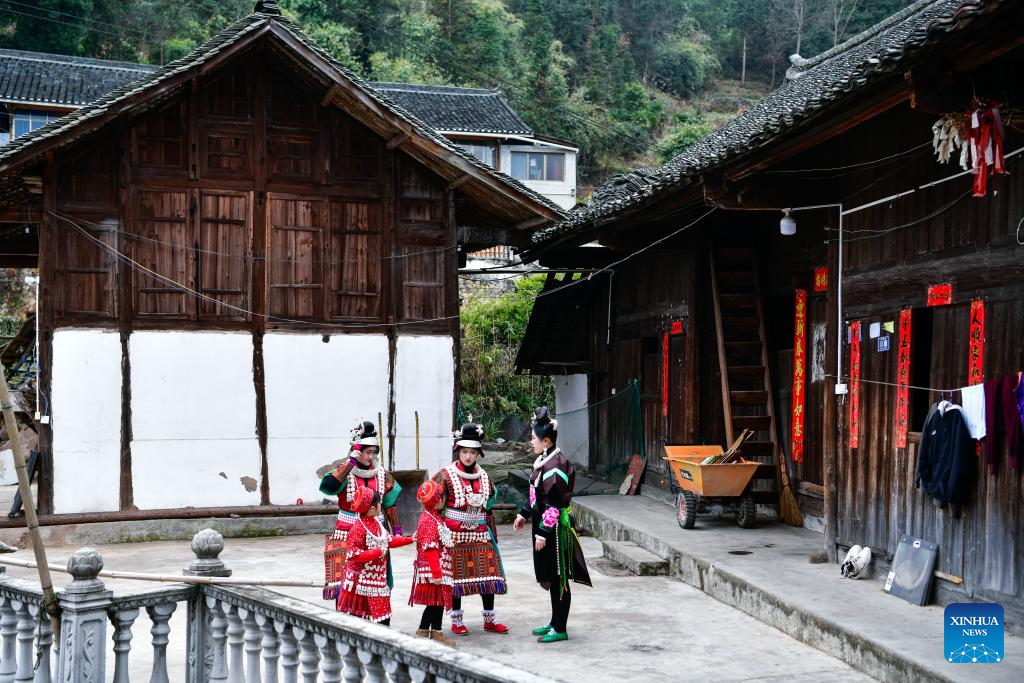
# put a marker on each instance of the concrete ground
(624, 628)
(765, 572)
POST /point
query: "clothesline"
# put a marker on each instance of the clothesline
(895, 384)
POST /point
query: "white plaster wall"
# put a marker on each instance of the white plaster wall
(562, 193)
(573, 423)
(424, 382)
(85, 412)
(193, 419)
(316, 392)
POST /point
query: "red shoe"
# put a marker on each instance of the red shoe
(460, 629)
(495, 627)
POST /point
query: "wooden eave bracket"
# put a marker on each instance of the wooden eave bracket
(398, 139)
(330, 95)
(459, 181)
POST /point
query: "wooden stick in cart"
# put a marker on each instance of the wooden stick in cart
(31, 518)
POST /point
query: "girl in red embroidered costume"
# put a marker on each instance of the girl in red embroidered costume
(476, 562)
(432, 570)
(343, 481)
(365, 592)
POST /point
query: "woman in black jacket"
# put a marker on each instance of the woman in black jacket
(557, 555)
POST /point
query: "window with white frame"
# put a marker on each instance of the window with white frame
(538, 166)
(481, 150)
(27, 120)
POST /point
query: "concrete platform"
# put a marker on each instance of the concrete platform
(765, 572)
(634, 558)
(625, 628)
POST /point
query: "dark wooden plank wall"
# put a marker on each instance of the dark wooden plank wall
(200, 193)
(971, 244)
(648, 294)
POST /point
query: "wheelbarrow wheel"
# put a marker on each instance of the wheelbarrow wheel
(686, 509)
(745, 515)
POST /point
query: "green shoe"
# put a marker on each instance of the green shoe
(553, 636)
(542, 631)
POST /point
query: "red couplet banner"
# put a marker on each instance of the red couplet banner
(903, 380)
(854, 384)
(799, 368)
(664, 374)
(977, 342)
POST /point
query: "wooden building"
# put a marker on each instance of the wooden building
(694, 290)
(242, 254)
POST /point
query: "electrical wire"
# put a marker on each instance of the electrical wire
(249, 257)
(83, 23)
(861, 164)
(873, 233)
(95, 22)
(138, 267)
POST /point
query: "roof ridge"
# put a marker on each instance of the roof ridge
(94, 62)
(801, 64)
(424, 87)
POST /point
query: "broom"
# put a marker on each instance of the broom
(788, 508)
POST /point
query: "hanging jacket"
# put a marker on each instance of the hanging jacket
(1003, 422)
(946, 463)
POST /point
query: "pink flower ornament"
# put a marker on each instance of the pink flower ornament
(533, 496)
(550, 517)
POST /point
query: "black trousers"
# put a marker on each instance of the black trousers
(559, 607)
(431, 618)
(488, 602)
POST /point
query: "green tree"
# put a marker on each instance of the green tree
(48, 26)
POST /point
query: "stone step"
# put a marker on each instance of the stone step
(634, 558)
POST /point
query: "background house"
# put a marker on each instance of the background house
(242, 254)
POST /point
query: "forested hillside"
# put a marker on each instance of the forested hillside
(630, 81)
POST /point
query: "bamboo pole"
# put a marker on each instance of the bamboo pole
(417, 414)
(31, 519)
(174, 578)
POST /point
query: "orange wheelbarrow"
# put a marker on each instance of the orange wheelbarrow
(712, 487)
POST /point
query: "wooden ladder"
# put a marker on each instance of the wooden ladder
(743, 357)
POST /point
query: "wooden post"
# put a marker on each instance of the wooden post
(31, 519)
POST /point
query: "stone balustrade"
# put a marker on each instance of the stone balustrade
(234, 634)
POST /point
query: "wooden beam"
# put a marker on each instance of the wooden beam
(398, 139)
(459, 181)
(531, 223)
(330, 95)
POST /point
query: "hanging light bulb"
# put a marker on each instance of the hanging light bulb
(787, 226)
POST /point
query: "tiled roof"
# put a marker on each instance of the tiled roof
(77, 123)
(451, 109)
(813, 86)
(60, 80)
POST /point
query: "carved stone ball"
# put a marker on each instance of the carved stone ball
(207, 544)
(85, 564)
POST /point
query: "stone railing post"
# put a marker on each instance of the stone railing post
(207, 546)
(84, 604)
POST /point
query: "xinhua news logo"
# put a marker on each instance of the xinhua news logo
(974, 633)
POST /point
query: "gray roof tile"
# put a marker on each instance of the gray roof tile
(62, 80)
(451, 109)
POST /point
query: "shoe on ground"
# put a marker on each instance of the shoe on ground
(542, 631)
(553, 636)
(442, 638)
(422, 633)
(460, 630)
(495, 627)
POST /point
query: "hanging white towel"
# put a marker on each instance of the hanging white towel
(974, 409)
